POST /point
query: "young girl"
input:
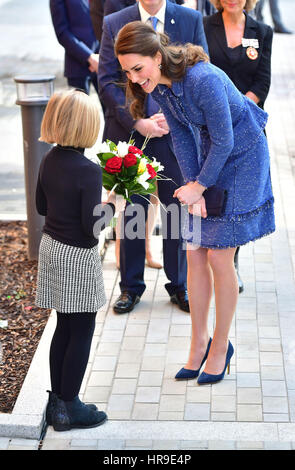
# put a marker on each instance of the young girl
(69, 270)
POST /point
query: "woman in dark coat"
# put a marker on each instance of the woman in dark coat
(241, 47)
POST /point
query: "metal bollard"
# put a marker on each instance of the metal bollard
(33, 93)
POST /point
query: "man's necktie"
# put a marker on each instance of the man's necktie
(152, 107)
(154, 22)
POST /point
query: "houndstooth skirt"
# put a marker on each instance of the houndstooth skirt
(69, 278)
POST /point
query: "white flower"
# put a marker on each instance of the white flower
(103, 147)
(156, 164)
(142, 179)
(122, 149)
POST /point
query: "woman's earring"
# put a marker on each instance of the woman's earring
(160, 66)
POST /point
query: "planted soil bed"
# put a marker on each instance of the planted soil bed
(21, 322)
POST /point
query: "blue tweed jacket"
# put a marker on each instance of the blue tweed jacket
(234, 153)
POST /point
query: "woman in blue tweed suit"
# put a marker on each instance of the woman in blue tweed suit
(198, 98)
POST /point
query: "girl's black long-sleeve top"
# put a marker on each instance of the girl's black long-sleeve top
(68, 189)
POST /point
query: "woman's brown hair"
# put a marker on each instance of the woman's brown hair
(139, 38)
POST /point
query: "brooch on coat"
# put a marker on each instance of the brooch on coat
(252, 46)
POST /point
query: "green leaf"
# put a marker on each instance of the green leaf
(112, 145)
(132, 171)
(106, 156)
(108, 180)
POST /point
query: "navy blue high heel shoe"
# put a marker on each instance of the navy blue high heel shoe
(212, 378)
(187, 374)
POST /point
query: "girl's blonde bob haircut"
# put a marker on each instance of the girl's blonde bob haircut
(250, 4)
(71, 118)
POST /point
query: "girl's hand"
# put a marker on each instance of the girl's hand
(189, 194)
(118, 201)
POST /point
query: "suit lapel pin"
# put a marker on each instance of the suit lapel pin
(172, 21)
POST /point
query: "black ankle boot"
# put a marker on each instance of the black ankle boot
(73, 414)
(52, 403)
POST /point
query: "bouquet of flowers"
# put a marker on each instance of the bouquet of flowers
(126, 170)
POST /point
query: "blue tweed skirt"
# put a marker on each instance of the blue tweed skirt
(237, 226)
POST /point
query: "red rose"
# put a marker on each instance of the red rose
(113, 165)
(151, 171)
(129, 160)
(133, 149)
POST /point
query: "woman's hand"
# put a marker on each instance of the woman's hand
(190, 193)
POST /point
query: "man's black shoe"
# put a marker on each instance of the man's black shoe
(181, 299)
(126, 302)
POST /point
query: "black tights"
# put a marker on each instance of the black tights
(69, 352)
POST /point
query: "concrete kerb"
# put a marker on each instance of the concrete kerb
(27, 417)
(183, 431)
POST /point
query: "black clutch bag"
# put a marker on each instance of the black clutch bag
(215, 199)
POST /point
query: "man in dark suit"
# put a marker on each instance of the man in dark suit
(101, 8)
(96, 13)
(182, 25)
(73, 28)
(204, 6)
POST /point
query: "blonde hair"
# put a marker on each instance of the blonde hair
(71, 118)
(250, 4)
